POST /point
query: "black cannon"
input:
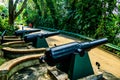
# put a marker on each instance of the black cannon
(38, 39)
(23, 32)
(72, 58)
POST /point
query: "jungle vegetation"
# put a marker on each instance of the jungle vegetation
(92, 18)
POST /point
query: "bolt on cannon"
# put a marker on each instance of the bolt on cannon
(72, 58)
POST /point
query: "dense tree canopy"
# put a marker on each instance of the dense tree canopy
(93, 18)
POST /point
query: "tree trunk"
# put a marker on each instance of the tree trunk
(11, 13)
(12, 10)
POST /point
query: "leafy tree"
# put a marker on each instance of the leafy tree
(3, 17)
(13, 13)
(32, 12)
(108, 26)
(52, 9)
(3, 11)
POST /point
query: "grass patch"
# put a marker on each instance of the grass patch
(0, 47)
(2, 60)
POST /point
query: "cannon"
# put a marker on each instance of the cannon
(23, 32)
(72, 58)
(38, 39)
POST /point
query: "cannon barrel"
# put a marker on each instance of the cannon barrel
(45, 35)
(92, 44)
(56, 54)
(33, 37)
(21, 32)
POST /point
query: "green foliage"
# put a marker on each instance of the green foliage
(0, 32)
(3, 10)
(30, 14)
(11, 30)
(88, 16)
(3, 17)
(93, 18)
(3, 24)
(2, 60)
(109, 26)
(4, 21)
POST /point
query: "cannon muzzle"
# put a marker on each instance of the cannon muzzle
(21, 32)
(33, 37)
(57, 54)
(92, 44)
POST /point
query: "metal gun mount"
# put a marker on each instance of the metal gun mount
(38, 39)
(72, 58)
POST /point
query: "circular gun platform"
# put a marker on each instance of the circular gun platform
(10, 39)
(19, 48)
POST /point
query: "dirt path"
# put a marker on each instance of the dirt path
(108, 62)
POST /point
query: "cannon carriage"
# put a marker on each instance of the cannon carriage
(72, 58)
(39, 39)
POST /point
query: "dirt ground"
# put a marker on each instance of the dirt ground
(108, 62)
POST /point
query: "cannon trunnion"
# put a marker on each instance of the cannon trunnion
(72, 58)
